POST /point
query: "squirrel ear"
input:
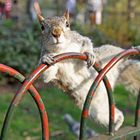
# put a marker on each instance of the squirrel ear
(40, 18)
(38, 11)
(67, 15)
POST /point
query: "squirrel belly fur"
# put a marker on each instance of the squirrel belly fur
(73, 76)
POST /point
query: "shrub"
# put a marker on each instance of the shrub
(20, 49)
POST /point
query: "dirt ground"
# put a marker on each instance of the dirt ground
(7, 89)
(12, 86)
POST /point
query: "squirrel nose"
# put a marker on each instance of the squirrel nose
(56, 32)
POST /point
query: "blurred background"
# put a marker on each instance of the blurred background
(104, 21)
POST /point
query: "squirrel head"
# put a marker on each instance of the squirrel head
(55, 25)
(54, 29)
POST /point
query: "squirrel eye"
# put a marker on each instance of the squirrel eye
(67, 24)
(42, 27)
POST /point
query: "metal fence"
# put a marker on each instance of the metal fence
(132, 131)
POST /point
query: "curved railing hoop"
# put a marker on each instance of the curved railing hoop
(43, 67)
(99, 78)
(28, 82)
(35, 95)
(15, 99)
(37, 72)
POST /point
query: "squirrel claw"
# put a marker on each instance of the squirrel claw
(90, 60)
(47, 59)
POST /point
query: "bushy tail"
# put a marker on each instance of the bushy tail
(130, 75)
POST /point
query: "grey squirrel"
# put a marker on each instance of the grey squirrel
(74, 76)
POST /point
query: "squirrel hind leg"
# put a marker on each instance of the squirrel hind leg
(119, 119)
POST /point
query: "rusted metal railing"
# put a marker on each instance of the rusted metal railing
(35, 95)
(27, 85)
(96, 83)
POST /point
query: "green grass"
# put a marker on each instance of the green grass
(25, 123)
(126, 102)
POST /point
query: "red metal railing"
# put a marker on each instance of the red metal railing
(96, 83)
(27, 84)
(35, 95)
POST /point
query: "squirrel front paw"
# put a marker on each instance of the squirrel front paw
(90, 60)
(47, 59)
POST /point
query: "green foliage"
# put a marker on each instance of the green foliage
(126, 102)
(98, 38)
(8, 23)
(20, 49)
(121, 5)
(120, 31)
(115, 30)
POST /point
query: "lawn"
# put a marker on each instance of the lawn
(25, 124)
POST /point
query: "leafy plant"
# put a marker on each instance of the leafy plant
(20, 49)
